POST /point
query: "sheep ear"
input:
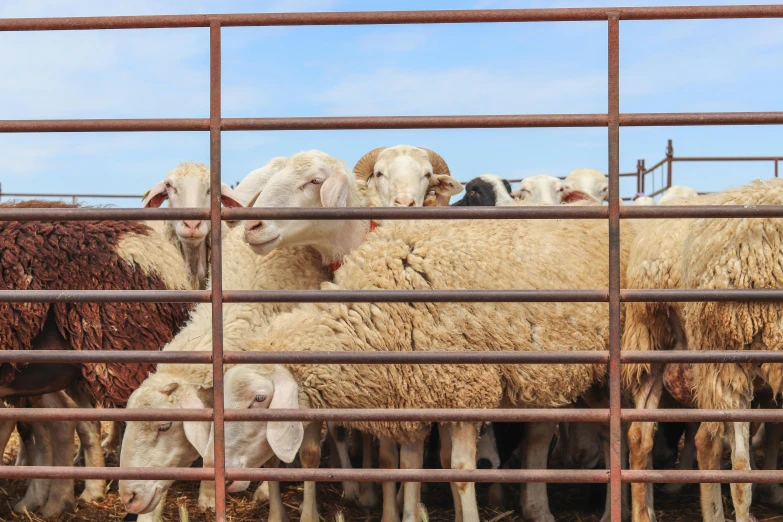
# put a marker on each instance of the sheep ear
(334, 191)
(284, 437)
(155, 196)
(169, 388)
(209, 450)
(571, 195)
(445, 185)
(228, 197)
(199, 434)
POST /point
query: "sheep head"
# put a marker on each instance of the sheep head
(589, 181)
(403, 176)
(187, 186)
(161, 444)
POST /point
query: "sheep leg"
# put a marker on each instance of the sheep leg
(310, 457)
(739, 440)
(6, 429)
(534, 500)
(389, 459)
(276, 508)
(463, 456)
(111, 444)
(772, 494)
(368, 495)
(39, 449)
(61, 497)
(708, 452)
(340, 437)
(444, 432)
(206, 496)
(411, 457)
(687, 457)
(21, 453)
(641, 438)
(89, 443)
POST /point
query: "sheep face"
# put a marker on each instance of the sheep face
(308, 180)
(581, 444)
(252, 444)
(590, 182)
(187, 186)
(487, 190)
(403, 176)
(541, 189)
(676, 192)
(158, 444)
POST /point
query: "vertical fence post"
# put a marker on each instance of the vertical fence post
(669, 162)
(639, 174)
(216, 268)
(615, 429)
(776, 170)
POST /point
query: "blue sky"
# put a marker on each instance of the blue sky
(727, 65)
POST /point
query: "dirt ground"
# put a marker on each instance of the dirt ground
(569, 503)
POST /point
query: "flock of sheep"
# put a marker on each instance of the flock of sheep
(279, 254)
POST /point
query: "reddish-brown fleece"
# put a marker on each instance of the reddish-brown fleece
(81, 255)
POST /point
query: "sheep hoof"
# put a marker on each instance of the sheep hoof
(351, 491)
(56, 507)
(496, 496)
(206, 501)
(91, 495)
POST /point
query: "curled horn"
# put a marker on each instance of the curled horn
(364, 168)
(439, 165)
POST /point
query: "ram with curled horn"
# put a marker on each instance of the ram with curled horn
(406, 176)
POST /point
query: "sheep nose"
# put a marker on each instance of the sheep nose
(127, 498)
(250, 226)
(193, 225)
(404, 201)
(484, 464)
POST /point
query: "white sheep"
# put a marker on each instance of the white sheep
(297, 269)
(429, 255)
(549, 190)
(403, 175)
(589, 181)
(643, 200)
(677, 192)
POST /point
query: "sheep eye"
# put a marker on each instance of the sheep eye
(428, 175)
(164, 427)
(378, 174)
(167, 185)
(473, 192)
(260, 398)
(317, 181)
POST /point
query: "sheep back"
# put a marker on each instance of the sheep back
(89, 255)
(735, 254)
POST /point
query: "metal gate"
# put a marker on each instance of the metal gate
(614, 295)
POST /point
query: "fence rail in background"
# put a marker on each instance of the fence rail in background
(614, 295)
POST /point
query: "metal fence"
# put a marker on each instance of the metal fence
(614, 295)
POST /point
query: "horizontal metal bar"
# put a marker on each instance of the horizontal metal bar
(395, 122)
(105, 125)
(694, 295)
(647, 171)
(420, 475)
(418, 357)
(345, 415)
(700, 118)
(512, 212)
(700, 211)
(96, 214)
(727, 158)
(98, 356)
(27, 472)
(488, 121)
(34, 195)
(99, 414)
(394, 213)
(105, 296)
(689, 415)
(437, 357)
(414, 296)
(708, 476)
(392, 17)
(701, 356)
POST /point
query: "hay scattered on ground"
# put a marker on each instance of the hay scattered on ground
(569, 503)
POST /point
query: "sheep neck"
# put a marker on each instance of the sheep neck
(346, 237)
